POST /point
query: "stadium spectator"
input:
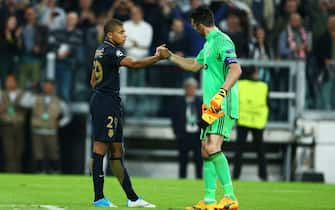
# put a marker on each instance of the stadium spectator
(259, 47)
(282, 18)
(185, 115)
(87, 18)
(139, 38)
(253, 115)
(159, 15)
(65, 43)
(95, 36)
(260, 50)
(263, 12)
(120, 10)
(192, 5)
(10, 46)
(179, 43)
(12, 120)
(318, 12)
(196, 40)
(48, 114)
(293, 41)
(326, 63)
(239, 37)
(12, 8)
(238, 8)
(51, 15)
(35, 43)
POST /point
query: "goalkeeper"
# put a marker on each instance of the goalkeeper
(221, 71)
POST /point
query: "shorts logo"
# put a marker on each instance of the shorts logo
(110, 133)
(206, 66)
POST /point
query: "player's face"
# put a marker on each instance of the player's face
(118, 36)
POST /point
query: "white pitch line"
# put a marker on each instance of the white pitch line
(51, 207)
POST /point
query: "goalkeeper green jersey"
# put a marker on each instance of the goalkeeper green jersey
(216, 56)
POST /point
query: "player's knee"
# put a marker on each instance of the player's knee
(100, 148)
(116, 150)
(116, 154)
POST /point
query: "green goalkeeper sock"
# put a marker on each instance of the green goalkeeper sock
(222, 169)
(209, 175)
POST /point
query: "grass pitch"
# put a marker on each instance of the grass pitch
(75, 192)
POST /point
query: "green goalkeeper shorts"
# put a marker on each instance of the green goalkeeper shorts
(222, 126)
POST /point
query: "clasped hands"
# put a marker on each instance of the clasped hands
(163, 52)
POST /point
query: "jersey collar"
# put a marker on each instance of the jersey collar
(211, 34)
(109, 43)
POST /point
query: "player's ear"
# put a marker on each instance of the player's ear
(201, 27)
(109, 35)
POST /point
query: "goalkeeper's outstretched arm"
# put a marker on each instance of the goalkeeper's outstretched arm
(189, 64)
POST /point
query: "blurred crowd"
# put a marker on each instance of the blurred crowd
(69, 32)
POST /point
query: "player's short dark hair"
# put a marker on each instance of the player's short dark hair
(111, 24)
(202, 15)
(51, 81)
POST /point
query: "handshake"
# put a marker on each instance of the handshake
(163, 52)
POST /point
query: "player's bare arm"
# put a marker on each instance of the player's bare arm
(93, 80)
(233, 75)
(141, 63)
(189, 64)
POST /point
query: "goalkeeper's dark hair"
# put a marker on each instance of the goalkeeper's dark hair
(202, 15)
(111, 24)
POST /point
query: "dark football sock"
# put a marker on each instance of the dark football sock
(98, 176)
(120, 171)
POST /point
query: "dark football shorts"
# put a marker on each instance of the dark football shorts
(107, 117)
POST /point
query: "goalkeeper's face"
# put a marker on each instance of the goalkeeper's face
(117, 36)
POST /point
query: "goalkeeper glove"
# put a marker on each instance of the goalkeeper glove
(208, 117)
(216, 101)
